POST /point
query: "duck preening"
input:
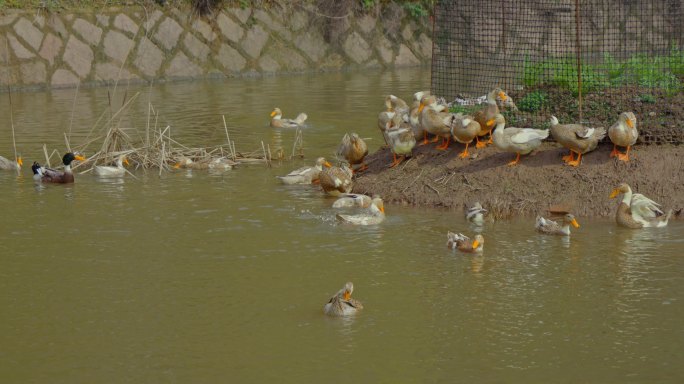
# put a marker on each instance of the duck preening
(342, 304)
(638, 211)
(61, 177)
(306, 175)
(336, 180)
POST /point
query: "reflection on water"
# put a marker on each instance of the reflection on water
(197, 276)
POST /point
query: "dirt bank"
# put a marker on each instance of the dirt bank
(441, 179)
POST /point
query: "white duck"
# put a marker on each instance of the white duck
(521, 141)
(306, 175)
(638, 211)
(111, 171)
(277, 120)
(376, 215)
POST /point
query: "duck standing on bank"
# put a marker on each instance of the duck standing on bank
(435, 121)
(277, 120)
(464, 129)
(61, 177)
(638, 211)
(414, 115)
(464, 244)
(577, 138)
(342, 304)
(306, 175)
(517, 140)
(623, 133)
(353, 149)
(486, 117)
(401, 141)
(551, 227)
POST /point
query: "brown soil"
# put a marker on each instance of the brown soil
(541, 180)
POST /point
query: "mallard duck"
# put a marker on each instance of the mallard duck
(110, 171)
(551, 227)
(475, 213)
(342, 304)
(352, 200)
(435, 121)
(61, 177)
(9, 165)
(305, 175)
(464, 244)
(375, 215)
(623, 134)
(638, 211)
(520, 141)
(486, 117)
(354, 150)
(37, 171)
(277, 120)
(577, 138)
(402, 142)
(464, 130)
(414, 116)
(336, 180)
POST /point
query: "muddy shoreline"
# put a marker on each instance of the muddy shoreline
(436, 178)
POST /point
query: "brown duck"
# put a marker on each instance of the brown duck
(486, 117)
(577, 138)
(638, 211)
(336, 180)
(354, 150)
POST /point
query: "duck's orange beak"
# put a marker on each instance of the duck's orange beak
(20, 161)
(502, 96)
(614, 193)
(382, 209)
(327, 164)
(475, 244)
(420, 108)
(125, 161)
(347, 295)
(273, 113)
(629, 123)
(490, 122)
(79, 158)
(575, 223)
(176, 166)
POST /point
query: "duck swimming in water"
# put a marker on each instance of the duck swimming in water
(551, 227)
(341, 304)
(61, 177)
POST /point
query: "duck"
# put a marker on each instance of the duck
(385, 119)
(305, 175)
(8, 165)
(623, 133)
(486, 116)
(435, 121)
(277, 120)
(221, 164)
(353, 149)
(638, 211)
(475, 213)
(414, 117)
(110, 171)
(336, 180)
(464, 244)
(577, 138)
(341, 303)
(551, 227)
(399, 106)
(504, 101)
(37, 171)
(464, 130)
(352, 200)
(402, 141)
(61, 177)
(376, 215)
(521, 141)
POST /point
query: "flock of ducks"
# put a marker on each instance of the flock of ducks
(403, 126)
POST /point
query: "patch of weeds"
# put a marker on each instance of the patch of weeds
(646, 98)
(464, 109)
(533, 101)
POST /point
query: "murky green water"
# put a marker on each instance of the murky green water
(198, 277)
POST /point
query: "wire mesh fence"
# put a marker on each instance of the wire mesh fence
(587, 60)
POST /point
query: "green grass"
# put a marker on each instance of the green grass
(647, 71)
(533, 101)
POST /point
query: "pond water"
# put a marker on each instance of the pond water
(199, 277)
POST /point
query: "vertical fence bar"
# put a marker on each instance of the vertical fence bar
(578, 44)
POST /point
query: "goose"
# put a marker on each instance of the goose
(551, 227)
(638, 211)
(623, 133)
(517, 140)
(277, 120)
(341, 303)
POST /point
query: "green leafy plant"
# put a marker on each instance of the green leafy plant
(647, 98)
(533, 101)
